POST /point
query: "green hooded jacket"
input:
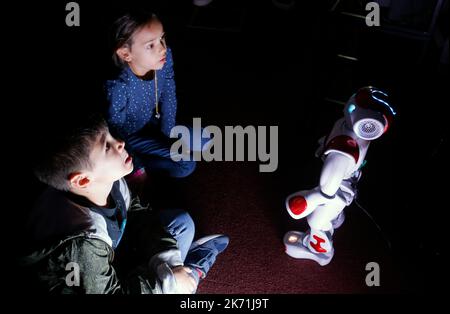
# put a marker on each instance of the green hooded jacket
(72, 252)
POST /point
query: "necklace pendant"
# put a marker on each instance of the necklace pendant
(157, 115)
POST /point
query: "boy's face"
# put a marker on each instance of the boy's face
(110, 161)
(148, 51)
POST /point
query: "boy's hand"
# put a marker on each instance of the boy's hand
(185, 282)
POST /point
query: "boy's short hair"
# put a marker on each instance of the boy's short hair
(69, 151)
(124, 28)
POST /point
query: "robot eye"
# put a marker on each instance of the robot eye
(351, 108)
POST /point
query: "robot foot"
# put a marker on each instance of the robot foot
(293, 241)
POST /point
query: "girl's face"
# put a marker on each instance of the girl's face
(148, 50)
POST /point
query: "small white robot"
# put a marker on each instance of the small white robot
(367, 116)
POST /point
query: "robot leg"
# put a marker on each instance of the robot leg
(316, 244)
(328, 217)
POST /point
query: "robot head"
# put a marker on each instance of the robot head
(368, 113)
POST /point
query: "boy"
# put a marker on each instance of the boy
(78, 222)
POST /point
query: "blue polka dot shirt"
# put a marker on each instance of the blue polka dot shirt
(132, 100)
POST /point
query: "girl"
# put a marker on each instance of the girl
(142, 100)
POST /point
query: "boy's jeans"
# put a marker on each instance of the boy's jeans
(181, 226)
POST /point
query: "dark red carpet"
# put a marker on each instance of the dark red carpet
(235, 199)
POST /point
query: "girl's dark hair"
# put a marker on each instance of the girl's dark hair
(69, 151)
(125, 27)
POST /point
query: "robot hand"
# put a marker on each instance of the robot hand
(302, 203)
